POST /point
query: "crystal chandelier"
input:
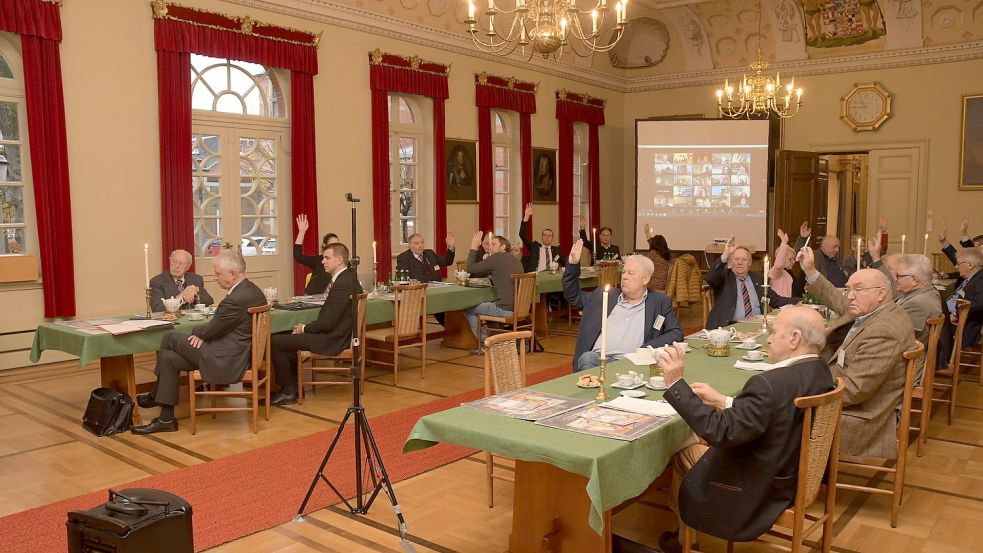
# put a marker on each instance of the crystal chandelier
(547, 27)
(759, 94)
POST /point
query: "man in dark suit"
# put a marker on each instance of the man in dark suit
(178, 282)
(739, 472)
(220, 349)
(424, 264)
(605, 249)
(969, 286)
(737, 292)
(319, 280)
(541, 254)
(636, 315)
(827, 256)
(330, 334)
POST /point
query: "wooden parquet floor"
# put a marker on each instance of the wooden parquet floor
(46, 456)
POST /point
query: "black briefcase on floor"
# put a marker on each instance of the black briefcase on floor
(136, 520)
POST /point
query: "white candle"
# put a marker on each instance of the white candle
(594, 242)
(766, 270)
(146, 264)
(470, 9)
(902, 243)
(860, 244)
(374, 258)
(604, 322)
(593, 17)
(925, 248)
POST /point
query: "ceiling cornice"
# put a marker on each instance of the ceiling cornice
(348, 17)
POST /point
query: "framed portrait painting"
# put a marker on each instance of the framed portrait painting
(460, 164)
(971, 140)
(543, 176)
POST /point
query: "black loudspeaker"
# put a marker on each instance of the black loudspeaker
(136, 520)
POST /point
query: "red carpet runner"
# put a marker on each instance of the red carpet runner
(231, 497)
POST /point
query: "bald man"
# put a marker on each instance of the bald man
(865, 346)
(178, 282)
(827, 256)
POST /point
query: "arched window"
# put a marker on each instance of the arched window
(411, 173)
(17, 214)
(581, 189)
(238, 87)
(504, 157)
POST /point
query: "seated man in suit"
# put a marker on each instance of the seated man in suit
(918, 297)
(330, 334)
(827, 259)
(737, 292)
(220, 349)
(605, 249)
(178, 282)
(541, 254)
(424, 264)
(747, 446)
(969, 286)
(864, 346)
(636, 315)
(499, 265)
(319, 279)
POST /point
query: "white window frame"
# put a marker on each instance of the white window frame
(421, 130)
(508, 139)
(12, 90)
(581, 177)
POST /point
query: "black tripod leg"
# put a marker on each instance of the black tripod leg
(386, 484)
(324, 463)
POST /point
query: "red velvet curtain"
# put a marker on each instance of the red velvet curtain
(493, 92)
(39, 24)
(572, 107)
(217, 35)
(393, 73)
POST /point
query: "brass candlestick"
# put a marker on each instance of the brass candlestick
(602, 394)
(375, 276)
(148, 303)
(765, 302)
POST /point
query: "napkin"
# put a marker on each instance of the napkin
(641, 406)
(754, 366)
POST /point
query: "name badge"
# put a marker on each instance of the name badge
(659, 319)
(841, 357)
(436, 267)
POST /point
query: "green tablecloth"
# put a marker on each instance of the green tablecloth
(51, 336)
(616, 470)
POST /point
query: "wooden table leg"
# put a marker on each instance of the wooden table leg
(117, 373)
(457, 332)
(550, 512)
(542, 321)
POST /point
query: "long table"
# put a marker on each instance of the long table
(566, 483)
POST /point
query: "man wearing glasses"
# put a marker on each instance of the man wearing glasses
(178, 282)
(969, 286)
(918, 297)
(865, 346)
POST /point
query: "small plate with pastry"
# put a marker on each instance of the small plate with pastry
(588, 381)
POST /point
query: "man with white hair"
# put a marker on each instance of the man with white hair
(747, 446)
(918, 296)
(178, 282)
(220, 349)
(737, 291)
(969, 286)
(865, 346)
(636, 315)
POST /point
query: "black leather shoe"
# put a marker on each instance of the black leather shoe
(281, 398)
(156, 425)
(146, 401)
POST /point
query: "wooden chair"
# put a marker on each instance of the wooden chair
(340, 365)
(505, 371)
(607, 274)
(409, 328)
(706, 293)
(898, 470)
(818, 455)
(977, 353)
(951, 372)
(523, 310)
(259, 365)
(924, 392)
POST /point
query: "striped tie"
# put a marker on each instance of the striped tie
(747, 298)
(180, 286)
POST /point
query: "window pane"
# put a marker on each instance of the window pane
(9, 128)
(207, 237)
(501, 204)
(407, 229)
(13, 241)
(405, 113)
(500, 126)
(229, 103)
(501, 182)
(407, 150)
(11, 205)
(407, 177)
(501, 226)
(10, 166)
(407, 204)
(5, 71)
(240, 87)
(501, 156)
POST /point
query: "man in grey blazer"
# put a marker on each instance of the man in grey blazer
(918, 297)
(178, 282)
(864, 346)
(220, 349)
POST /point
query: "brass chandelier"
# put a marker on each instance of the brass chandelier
(759, 95)
(547, 27)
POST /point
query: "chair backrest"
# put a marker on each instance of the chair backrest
(524, 298)
(607, 274)
(261, 338)
(931, 355)
(911, 363)
(363, 300)
(505, 362)
(819, 448)
(706, 294)
(962, 312)
(409, 308)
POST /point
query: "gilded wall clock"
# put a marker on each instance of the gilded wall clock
(865, 107)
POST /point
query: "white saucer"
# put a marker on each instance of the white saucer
(739, 346)
(651, 387)
(746, 358)
(633, 393)
(632, 387)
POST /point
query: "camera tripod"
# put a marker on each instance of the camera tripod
(368, 464)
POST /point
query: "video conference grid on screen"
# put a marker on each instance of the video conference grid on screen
(702, 181)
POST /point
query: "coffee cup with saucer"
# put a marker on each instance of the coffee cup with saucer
(625, 380)
(657, 383)
(749, 343)
(754, 355)
(195, 316)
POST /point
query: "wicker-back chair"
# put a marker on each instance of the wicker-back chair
(409, 328)
(523, 308)
(706, 294)
(505, 371)
(923, 392)
(951, 372)
(257, 375)
(339, 365)
(607, 274)
(818, 455)
(898, 469)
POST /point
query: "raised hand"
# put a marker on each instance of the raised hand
(450, 240)
(583, 223)
(807, 260)
(804, 230)
(964, 227)
(302, 224)
(874, 247)
(709, 396)
(528, 212)
(576, 251)
(476, 240)
(783, 236)
(882, 225)
(673, 363)
(942, 234)
(729, 248)
(648, 231)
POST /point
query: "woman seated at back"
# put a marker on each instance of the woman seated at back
(661, 256)
(779, 277)
(320, 279)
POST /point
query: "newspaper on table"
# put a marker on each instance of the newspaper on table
(90, 326)
(526, 404)
(125, 327)
(598, 420)
(652, 408)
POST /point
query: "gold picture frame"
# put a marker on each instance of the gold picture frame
(971, 143)
(461, 164)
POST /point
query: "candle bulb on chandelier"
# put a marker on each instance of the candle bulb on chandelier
(617, 10)
(593, 17)
(563, 28)
(798, 94)
(720, 96)
(925, 247)
(470, 9)
(491, 5)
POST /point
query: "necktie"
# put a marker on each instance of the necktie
(180, 286)
(747, 298)
(951, 302)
